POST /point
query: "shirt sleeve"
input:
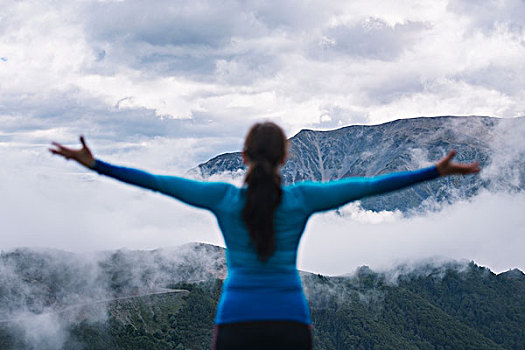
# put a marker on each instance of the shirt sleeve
(206, 195)
(321, 196)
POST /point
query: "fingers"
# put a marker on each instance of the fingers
(56, 144)
(83, 141)
(450, 155)
(56, 150)
(61, 150)
(474, 168)
(465, 169)
(60, 147)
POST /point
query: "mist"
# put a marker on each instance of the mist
(487, 229)
(182, 86)
(45, 292)
(77, 210)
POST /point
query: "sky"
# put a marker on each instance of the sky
(166, 86)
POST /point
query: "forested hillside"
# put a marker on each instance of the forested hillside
(428, 306)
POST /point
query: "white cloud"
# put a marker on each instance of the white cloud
(73, 209)
(168, 86)
(371, 38)
(492, 15)
(182, 61)
(76, 210)
(488, 230)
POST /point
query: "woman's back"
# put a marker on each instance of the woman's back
(258, 290)
(289, 221)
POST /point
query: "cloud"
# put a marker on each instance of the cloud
(371, 38)
(295, 62)
(493, 15)
(508, 157)
(486, 230)
(76, 210)
(166, 87)
(174, 38)
(102, 214)
(45, 331)
(47, 292)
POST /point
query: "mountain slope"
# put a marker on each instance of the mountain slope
(166, 300)
(404, 144)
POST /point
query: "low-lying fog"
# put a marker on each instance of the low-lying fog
(64, 207)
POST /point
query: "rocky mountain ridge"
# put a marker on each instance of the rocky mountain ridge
(404, 144)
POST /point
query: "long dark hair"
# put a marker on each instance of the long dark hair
(265, 151)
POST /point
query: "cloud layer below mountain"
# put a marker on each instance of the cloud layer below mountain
(166, 87)
(487, 229)
(76, 210)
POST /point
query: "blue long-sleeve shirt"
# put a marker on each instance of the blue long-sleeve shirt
(255, 290)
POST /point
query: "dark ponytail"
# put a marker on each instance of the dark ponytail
(265, 150)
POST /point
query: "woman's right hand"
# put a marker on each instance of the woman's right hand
(82, 155)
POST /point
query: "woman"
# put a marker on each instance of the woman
(262, 303)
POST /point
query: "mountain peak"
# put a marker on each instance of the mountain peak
(515, 274)
(399, 145)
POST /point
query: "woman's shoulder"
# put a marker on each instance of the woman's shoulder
(297, 189)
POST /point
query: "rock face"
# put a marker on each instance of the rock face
(404, 144)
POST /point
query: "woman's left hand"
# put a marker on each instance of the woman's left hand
(446, 167)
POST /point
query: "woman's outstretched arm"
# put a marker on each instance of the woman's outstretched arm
(320, 196)
(205, 195)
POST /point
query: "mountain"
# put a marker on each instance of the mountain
(405, 144)
(165, 299)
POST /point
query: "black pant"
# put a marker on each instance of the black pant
(272, 335)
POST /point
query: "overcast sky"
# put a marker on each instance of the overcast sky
(166, 85)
